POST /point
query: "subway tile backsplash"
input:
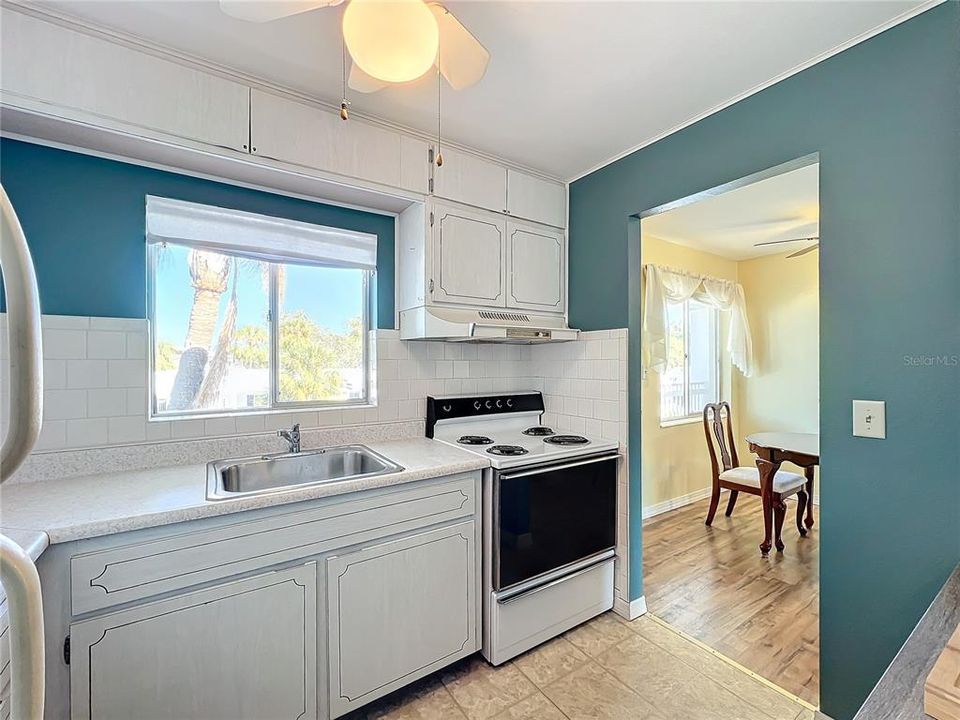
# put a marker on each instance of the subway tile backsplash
(95, 379)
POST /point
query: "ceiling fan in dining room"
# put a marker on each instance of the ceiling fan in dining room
(815, 239)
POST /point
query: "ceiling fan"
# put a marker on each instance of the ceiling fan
(815, 239)
(389, 41)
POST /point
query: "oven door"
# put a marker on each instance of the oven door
(549, 518)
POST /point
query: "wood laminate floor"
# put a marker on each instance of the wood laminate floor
(605, 669)
(712, 584)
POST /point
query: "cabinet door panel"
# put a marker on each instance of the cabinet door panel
(471, 180)
(536, 199)
(536, 268)
(246, 649)
(307, 135)
(468, 257)
(398, 611)
(77, 71)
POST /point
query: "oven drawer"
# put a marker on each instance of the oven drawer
(524, 621)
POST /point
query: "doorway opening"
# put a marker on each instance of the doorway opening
(730, 306)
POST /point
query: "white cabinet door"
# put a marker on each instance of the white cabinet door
(536, 267)
(468, 257)
(242, 650)
(308, 135)
(472, 180)
(75, 71)
(533, 198)
(398, 611)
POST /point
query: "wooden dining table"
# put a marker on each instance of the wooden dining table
(772, 450)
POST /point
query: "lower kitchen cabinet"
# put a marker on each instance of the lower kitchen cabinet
(399, 610)
(243, 649)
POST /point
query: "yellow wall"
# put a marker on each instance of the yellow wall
(783, 307)
(783, 394)
(674, 459)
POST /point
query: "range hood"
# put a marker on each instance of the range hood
(483, 326)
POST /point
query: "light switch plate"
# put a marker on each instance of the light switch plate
(870, 418)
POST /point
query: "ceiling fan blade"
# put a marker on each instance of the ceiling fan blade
(791, 240)
(462, 59)
(261, 11)
(806, 250)
(361, 82)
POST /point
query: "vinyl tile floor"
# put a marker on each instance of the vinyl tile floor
(605, 669)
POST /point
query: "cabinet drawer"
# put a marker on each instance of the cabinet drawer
(121, 574)
(400, 610)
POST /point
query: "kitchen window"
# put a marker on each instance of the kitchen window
(691, 378)
(250, 313)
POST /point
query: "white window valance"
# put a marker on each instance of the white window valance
(665, 285)
(260, 237)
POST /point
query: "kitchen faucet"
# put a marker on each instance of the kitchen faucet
(292, 437)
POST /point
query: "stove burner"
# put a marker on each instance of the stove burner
(507, 450)
(566, 440)
(538, 431)
(474, 440)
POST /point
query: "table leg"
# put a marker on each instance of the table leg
(767, 472)
(809, 473)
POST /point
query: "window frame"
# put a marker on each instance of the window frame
(275, 405)
(692, 417)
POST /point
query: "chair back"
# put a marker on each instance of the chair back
(720, 442)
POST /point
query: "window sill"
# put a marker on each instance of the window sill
(681, 421)
(292, 409)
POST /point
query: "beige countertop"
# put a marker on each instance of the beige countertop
(109, 503)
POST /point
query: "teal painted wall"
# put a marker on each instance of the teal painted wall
(885, 118)
(84, 221)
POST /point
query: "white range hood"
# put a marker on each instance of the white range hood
(492, 326)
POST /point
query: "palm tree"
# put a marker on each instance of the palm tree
(209, 272)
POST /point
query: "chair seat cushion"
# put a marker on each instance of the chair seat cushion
(783, 481)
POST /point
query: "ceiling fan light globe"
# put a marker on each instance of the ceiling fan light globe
(391, 40)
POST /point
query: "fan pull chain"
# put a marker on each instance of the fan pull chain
(439, 89)
(344, 115)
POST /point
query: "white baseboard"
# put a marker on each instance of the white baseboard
(677, 502)
(630, 610)
(684, 500)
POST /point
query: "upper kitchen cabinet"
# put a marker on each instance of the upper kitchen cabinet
(536, 268)
(471, 180)
(533, 198)
(72, 71)
(315, 137)
(468, 257)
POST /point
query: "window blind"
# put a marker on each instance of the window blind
(260, 237)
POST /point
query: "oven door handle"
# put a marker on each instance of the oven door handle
(534, 586)
(551, 468)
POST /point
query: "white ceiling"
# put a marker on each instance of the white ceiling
(783, 207)
(570, 84)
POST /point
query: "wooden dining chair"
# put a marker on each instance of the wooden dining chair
(728, 474)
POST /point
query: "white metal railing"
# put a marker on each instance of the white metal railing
(676, 402)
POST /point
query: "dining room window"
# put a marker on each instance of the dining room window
(250, 313)
(691, 378)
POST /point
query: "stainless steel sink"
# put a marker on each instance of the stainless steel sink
(266, 474)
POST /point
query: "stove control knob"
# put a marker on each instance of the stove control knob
(447, 408)
(476, 404)
(499, 403)
(509, 402)
(488, 404)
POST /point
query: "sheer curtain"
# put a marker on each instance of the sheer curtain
(664, 285)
